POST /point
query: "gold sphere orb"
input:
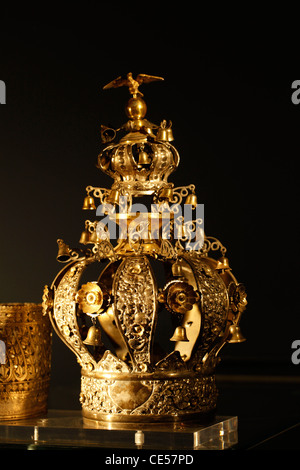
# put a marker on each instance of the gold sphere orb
(136, 108)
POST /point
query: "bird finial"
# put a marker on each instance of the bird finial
(133, 84)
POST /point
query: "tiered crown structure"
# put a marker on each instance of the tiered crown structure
(148, 330)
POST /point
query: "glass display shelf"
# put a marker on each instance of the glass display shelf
(67, 428)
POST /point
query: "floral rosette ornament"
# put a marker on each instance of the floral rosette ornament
(238, 297)
(180, 297)
(92, 299)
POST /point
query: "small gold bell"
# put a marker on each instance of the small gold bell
(85, 236)
(170, 136)
(179, 334)
(88, 237)
(88, 203)
(93, 238)
(144, 158)
(165, 194)
(93, 337)
(113, 197)
(165, 132)
(64, 252)
(192, 200)
(236, 335)
(177, 270)
(222, 263)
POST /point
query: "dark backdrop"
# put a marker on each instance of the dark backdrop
(234, 125)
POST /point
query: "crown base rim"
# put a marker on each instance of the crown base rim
(95, 419)
(147, 401)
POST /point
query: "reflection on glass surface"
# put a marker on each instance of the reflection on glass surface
(69, 429)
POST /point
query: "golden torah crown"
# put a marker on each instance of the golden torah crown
(148, 329)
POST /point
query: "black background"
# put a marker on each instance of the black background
(235, 127)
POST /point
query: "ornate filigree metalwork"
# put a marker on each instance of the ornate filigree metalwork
(25, 373)
(135, 308)
(166, 304)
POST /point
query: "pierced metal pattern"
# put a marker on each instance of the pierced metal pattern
(214, 301)
(135, 308)
(64, 313)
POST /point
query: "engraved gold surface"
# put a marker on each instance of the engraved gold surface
(25, 375)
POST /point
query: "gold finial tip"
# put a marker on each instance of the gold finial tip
(133, 84)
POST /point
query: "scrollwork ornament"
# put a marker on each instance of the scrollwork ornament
(212, 244)
(104, 250)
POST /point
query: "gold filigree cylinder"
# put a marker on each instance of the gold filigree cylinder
(25, 336)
